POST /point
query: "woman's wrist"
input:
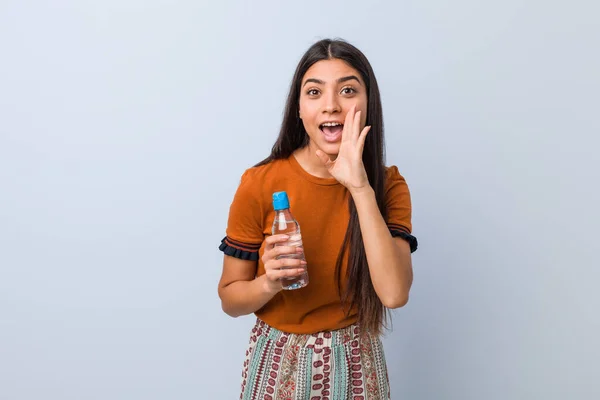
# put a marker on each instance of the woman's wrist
(267, 285)
(363, 192)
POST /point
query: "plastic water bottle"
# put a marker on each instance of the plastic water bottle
(285, 223)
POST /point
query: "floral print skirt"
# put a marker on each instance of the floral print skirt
(344, 364)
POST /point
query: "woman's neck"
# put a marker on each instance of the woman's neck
(308, 160)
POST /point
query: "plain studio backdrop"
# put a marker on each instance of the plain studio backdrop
(125, 127)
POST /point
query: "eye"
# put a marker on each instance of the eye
(348, 90)
(312, 92)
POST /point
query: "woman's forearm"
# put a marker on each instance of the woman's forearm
(245, 297)
(389, 259)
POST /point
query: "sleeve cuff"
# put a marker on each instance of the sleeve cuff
(243, 251)
(400, 231)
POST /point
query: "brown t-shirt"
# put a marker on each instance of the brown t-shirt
(320, 205)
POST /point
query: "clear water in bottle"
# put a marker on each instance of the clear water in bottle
(284, 223)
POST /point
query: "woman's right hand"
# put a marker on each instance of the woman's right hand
(284, 267)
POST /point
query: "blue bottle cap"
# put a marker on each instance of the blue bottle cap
(280, 201)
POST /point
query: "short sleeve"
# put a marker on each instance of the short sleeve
(244, 233)
(399, 209)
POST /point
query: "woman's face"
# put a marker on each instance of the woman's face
(328, 90)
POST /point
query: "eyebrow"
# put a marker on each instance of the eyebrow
(341, 80)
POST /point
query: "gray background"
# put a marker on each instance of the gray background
(126, 125)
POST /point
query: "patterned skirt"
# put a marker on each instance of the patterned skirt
(337, 365)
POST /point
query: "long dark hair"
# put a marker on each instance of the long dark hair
(359, 292)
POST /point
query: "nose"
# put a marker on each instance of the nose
(331, 103)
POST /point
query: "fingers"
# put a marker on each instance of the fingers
(284, 268)
(275, 279)
(350, 117)
(273, 240)
(285, 250)
(284, 263)
(352, 125)
(272, 250)
(288, 273)
(362, 138)
(356, 125)
(281, 261)
(348, 133)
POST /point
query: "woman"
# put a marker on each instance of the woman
(321, 341)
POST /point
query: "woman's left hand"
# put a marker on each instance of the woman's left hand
(348, 167)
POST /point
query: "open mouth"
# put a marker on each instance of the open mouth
(332, 131)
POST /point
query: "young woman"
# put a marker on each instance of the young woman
(321, 341)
